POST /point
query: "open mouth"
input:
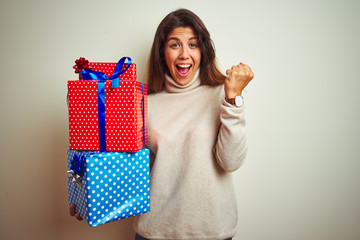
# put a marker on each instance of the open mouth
(183, 69)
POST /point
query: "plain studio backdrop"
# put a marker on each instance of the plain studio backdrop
(301, 176)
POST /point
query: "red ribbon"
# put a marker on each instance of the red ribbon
(81, 64)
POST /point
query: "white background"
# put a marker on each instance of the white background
(301, 177)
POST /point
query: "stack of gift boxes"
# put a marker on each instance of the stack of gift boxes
(108, 168)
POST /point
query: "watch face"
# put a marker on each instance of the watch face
(238, 100)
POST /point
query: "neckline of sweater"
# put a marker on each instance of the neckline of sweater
(173, 87)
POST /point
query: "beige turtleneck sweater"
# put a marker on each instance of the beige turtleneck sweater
(198, 139)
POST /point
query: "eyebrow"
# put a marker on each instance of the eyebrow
(177, 39)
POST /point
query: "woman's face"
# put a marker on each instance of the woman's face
(182, 54)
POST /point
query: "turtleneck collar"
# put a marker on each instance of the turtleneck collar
(173, 87)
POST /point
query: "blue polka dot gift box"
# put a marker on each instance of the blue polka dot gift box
(108, 186)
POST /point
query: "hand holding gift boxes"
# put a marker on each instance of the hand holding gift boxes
(104, 113)
(108, 115)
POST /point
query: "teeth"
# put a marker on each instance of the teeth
(184, 65)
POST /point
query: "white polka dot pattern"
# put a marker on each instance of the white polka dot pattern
(115, 185)
(123, 112)
(108, 69)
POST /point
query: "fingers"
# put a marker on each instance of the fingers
(249, 71)
(242, 70)
(228, 72)
(72, 209)
(77, 216)
(73, 213)
(238, 68)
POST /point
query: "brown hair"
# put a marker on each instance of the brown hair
(209, 72)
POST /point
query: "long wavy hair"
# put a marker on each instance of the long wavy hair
(156, 68)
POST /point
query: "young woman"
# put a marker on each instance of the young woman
(196, 134)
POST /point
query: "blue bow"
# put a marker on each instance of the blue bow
(76, 171)
(89, 74)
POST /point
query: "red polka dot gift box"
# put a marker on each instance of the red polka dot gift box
(107, 108)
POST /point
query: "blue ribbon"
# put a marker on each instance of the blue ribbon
(101, 115)
(143, 111)
(89, 74)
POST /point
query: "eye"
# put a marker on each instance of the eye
(174, 45)
(193, 45)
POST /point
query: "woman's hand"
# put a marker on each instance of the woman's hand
(73, 213)
(236, 79)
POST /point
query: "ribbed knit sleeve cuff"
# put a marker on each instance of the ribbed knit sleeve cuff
(232, 108)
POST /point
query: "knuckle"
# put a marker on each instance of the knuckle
(240, 73)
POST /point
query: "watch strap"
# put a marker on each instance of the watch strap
(230, 100)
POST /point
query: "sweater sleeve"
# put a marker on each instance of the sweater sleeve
(231, 147)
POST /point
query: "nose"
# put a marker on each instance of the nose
(184, 53)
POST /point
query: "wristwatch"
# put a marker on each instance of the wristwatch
(237, 101)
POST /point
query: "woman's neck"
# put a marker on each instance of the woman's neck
(173, 87)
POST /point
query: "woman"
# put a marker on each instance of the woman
(196, 134)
